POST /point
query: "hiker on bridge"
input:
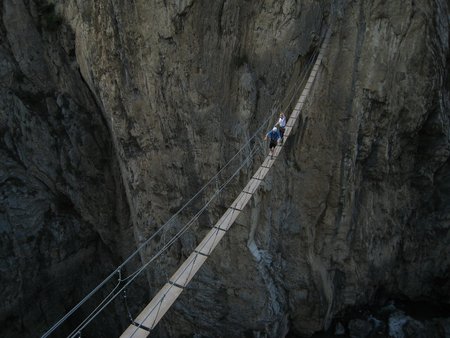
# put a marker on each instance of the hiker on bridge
(274, 136)
(282, 125)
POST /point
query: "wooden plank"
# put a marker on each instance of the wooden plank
(241, 201)
(135, 332)
(290, 123)
(300, 102)
(287, 132)
(212, 238)
(268, 162)
(261, 173)
(190, 266)
(298, 107)
(295, 114)
(277, 150)
(302, 99)
(252, 185)
(227, 219)
(154, 311)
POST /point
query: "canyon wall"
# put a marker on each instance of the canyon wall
(64, 216)
(114, 113)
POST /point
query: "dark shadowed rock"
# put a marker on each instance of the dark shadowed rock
(114, 113)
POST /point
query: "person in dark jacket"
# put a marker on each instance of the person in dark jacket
(274, 136)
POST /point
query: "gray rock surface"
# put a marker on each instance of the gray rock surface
(63, 213)
(114, 113)
(372, 197)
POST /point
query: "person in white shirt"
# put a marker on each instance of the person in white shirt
(282, 125)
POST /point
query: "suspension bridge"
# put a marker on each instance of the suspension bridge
(148, 318)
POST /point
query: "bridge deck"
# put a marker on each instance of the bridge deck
(164, 299)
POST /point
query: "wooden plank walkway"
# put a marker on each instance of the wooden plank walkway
(160, 304)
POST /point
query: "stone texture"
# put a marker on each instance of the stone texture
(121, 110)
(63, 213)
(373, 161)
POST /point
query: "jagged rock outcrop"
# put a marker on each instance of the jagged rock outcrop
(159, 95)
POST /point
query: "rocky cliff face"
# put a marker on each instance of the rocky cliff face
(119, 111)
(62, 202)
(373, 195)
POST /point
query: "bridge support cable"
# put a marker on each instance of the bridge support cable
(163, 300)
